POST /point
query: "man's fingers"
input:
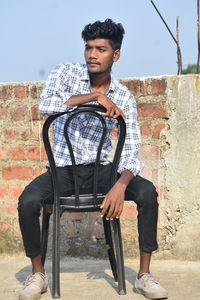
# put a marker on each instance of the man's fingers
(118, 113)
(110, 212)
(114, 112)
(116, 211)
(104, 207)
(120, 210)
(103, 203)
(110, 112)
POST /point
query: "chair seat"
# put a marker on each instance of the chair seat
(86, 202)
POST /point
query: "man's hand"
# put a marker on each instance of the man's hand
(112, 110)
(113, 203)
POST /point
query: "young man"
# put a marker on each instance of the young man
(70, 85)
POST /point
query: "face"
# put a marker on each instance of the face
(99, 56)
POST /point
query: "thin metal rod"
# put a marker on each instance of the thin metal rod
(198, 35)
(164, 22)
(173, 37)
(179, 58)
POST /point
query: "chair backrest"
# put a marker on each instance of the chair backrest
(96, 111)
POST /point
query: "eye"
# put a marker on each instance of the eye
(87, 48)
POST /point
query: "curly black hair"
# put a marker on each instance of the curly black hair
(104, 30)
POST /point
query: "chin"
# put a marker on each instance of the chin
(92, 71)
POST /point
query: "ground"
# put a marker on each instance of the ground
(92, 279)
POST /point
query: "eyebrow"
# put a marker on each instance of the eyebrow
(97, 47)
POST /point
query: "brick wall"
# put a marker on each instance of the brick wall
(22, 157)
(21, 153)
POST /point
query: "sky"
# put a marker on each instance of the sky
(36, 35)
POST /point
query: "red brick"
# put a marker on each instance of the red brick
(3, 113)
(24, 134)
(10, 134)
(137, 87)
(145, 129)
(3, 191)
(9, 209)
(154, 110)
(21, 92)
(157, 129)
(39, 171)
(15, 191)
(6, 92)
(158, 86)
(36, 153)
(34, 113)
(36, 91)
(17, 152)
(18, 113)
(125, 82)
(4, 228)
(17, 172)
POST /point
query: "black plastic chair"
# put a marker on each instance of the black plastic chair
(80, 202)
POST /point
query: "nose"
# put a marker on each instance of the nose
(93, 53)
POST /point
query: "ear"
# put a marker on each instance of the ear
(116, 55)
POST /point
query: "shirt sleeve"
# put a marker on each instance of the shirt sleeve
(57, 91)
(130, 153)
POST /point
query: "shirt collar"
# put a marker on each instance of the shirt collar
(85, 77)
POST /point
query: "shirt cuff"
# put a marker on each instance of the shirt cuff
(135, 168)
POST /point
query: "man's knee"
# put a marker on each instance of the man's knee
(148, 195)
(29, 203)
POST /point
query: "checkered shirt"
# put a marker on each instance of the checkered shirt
(71, 79)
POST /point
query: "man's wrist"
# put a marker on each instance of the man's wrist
(125, 178)
(121, 185)
(96, 96)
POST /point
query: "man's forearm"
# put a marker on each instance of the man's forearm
(81, 99)
(112, 110)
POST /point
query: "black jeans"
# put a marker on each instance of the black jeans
(40, 191)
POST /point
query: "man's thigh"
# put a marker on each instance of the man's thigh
(42, 188)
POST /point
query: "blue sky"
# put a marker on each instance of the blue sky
(36, 35)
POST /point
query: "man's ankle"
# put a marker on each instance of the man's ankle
(140, 274)
(38, 270)
(37, 266)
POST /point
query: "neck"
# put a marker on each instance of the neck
(100, 82)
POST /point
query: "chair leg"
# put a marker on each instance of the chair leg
(56, 254)
(44, 233)
(119, 254)
(110, 247)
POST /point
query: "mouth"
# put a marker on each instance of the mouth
(90, 63)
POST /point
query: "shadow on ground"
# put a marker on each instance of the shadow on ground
(94, 270)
